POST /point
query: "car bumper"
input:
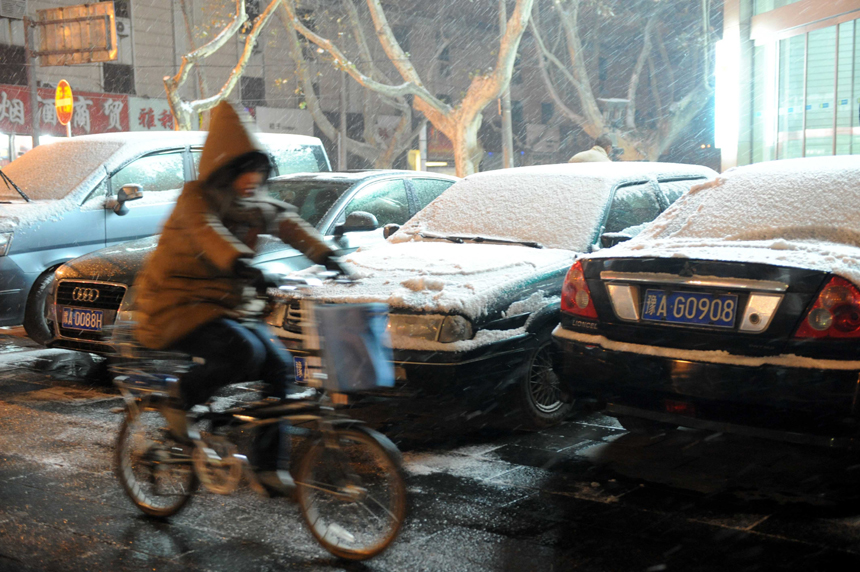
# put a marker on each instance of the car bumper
(779, 401)
(15, 284)
(472, 375)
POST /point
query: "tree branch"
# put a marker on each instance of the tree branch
(633, 86)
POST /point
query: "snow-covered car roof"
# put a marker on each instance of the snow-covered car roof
(559, 206)
(60, 168)
(794, 212)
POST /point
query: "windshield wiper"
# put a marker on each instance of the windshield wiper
(479, 239)
(8, 182)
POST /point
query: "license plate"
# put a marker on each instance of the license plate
(301, 365)
(81, 319)
(694, 308)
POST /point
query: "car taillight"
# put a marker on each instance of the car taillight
(835, 314)
(575, 297)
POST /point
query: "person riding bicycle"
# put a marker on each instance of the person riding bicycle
(197, 291)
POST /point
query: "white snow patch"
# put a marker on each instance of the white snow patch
(393, 272)
(715, 356)
(419, 284)
(559, 206)
(798, 212)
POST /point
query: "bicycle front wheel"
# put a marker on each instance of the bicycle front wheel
(154, 469)
(352, 496)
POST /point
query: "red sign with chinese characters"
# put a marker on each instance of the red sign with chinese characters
(64, 102)
(93, 112)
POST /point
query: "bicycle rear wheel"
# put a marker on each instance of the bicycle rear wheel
(154, 469)
(353, 496)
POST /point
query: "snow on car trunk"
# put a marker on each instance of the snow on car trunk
(798, 212)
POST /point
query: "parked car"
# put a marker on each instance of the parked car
(737, 310)
(350, 209)
(473, 281)
(68, 198)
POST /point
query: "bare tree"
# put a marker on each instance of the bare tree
(567, 67)
(184, 111)
(379, 150)
(460, 121)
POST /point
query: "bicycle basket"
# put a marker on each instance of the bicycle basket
(138, 367)
(356, 346)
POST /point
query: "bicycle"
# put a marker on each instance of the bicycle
(349, 482)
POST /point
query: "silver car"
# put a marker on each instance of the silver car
(67, 198)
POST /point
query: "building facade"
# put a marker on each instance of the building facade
(788, 80)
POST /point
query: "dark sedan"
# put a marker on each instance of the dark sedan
(473, 280)
(349, 208)
(737, 310)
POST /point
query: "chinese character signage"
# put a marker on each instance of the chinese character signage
(149, 114)
(93, 112)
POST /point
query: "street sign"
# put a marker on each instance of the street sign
(64, 102)
(76, 34)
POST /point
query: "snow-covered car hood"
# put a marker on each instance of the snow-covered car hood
(441, 277)
(840, 259)
(19, 215)
(119, 263)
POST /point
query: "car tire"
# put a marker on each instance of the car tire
(36, 323)
(539, 390)
(644, 426)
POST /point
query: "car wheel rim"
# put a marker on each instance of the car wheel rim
(544, 388)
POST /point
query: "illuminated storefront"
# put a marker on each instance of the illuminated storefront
(788, 80)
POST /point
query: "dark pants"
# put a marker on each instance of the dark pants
(233, 353)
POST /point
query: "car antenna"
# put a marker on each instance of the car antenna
(10, 182)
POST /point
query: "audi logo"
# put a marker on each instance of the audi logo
(85, 294)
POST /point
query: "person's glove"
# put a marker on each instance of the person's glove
(335, 264)
(253, 275)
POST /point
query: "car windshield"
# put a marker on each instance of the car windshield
(312, 198)
(804, 199)
(52, 171)
(557, 206)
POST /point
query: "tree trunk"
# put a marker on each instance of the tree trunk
(467, 148)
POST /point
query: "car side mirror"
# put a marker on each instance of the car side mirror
(357, 221)
(609, 239)
(389, 229)
(127, 193)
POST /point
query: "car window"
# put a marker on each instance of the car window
(288, 160)
(386, 200)
(157, 172)
(674, 189)
(632, 206)
(313, 199)
(428, 189)
(299, 159)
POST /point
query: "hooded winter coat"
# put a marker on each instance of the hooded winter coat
(189, 280)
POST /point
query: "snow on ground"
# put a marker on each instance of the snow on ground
(798, 212)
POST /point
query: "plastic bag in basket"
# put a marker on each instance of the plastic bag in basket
(357, 350)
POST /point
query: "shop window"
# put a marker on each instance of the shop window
(118, 78)
(13, 70)
(253, 91)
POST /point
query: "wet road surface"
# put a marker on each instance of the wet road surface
(485, 494)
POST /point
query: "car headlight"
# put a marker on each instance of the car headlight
(5, 242)
(445, 329)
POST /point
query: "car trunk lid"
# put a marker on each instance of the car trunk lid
(740, 307)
